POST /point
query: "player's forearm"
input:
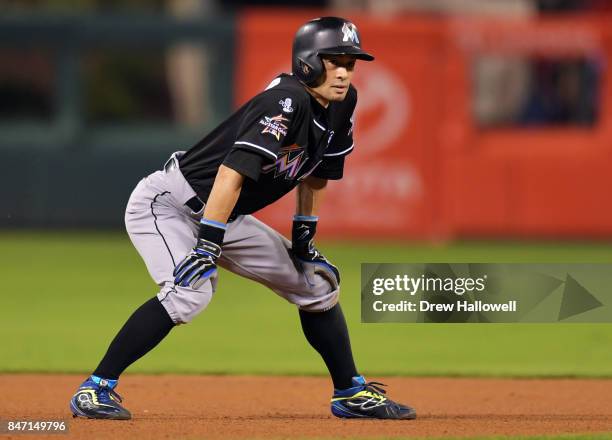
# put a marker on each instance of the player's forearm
(310, 195)
(224, 194)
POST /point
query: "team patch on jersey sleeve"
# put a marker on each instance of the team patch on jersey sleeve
(274, 125)
(286, 104)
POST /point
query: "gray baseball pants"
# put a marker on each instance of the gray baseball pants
(164, 230)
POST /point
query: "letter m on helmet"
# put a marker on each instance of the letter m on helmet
(349, 30)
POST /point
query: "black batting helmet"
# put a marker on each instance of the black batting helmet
(324, 36)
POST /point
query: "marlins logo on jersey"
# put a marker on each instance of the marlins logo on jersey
(290, 160)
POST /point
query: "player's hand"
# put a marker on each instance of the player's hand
(198, 266)
(302, 238)
(321, 265)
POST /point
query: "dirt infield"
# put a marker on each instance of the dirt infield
(239, 407)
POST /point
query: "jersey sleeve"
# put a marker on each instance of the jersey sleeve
(331, 168)
(266, 123)
(245, 162)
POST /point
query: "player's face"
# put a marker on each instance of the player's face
(337, 77)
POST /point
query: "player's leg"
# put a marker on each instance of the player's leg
(163, 230)
(256, 251)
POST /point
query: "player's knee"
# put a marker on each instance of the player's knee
(183, 303)
(320, 303)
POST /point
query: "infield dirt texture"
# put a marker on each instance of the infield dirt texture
(243, 407)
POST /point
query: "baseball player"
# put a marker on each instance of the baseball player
(195, 215)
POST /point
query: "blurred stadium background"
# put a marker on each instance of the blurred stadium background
(480, 120)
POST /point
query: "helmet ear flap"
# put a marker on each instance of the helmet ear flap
(309, 69)
(305, 68)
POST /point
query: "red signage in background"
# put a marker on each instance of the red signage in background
(424, 164)
(388, 185)
(540, 180)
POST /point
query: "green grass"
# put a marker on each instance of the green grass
(537, 437)
(65, 295)
(601, 436)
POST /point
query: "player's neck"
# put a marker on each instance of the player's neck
(321, 100)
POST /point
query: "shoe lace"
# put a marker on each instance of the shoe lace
(376, 389)
(108, 393)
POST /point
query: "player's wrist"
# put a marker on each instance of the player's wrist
(305, 218)
(302, 233)
(210, 237)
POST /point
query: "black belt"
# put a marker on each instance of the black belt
(196, 205)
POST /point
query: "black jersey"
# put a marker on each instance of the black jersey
(276, 139)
